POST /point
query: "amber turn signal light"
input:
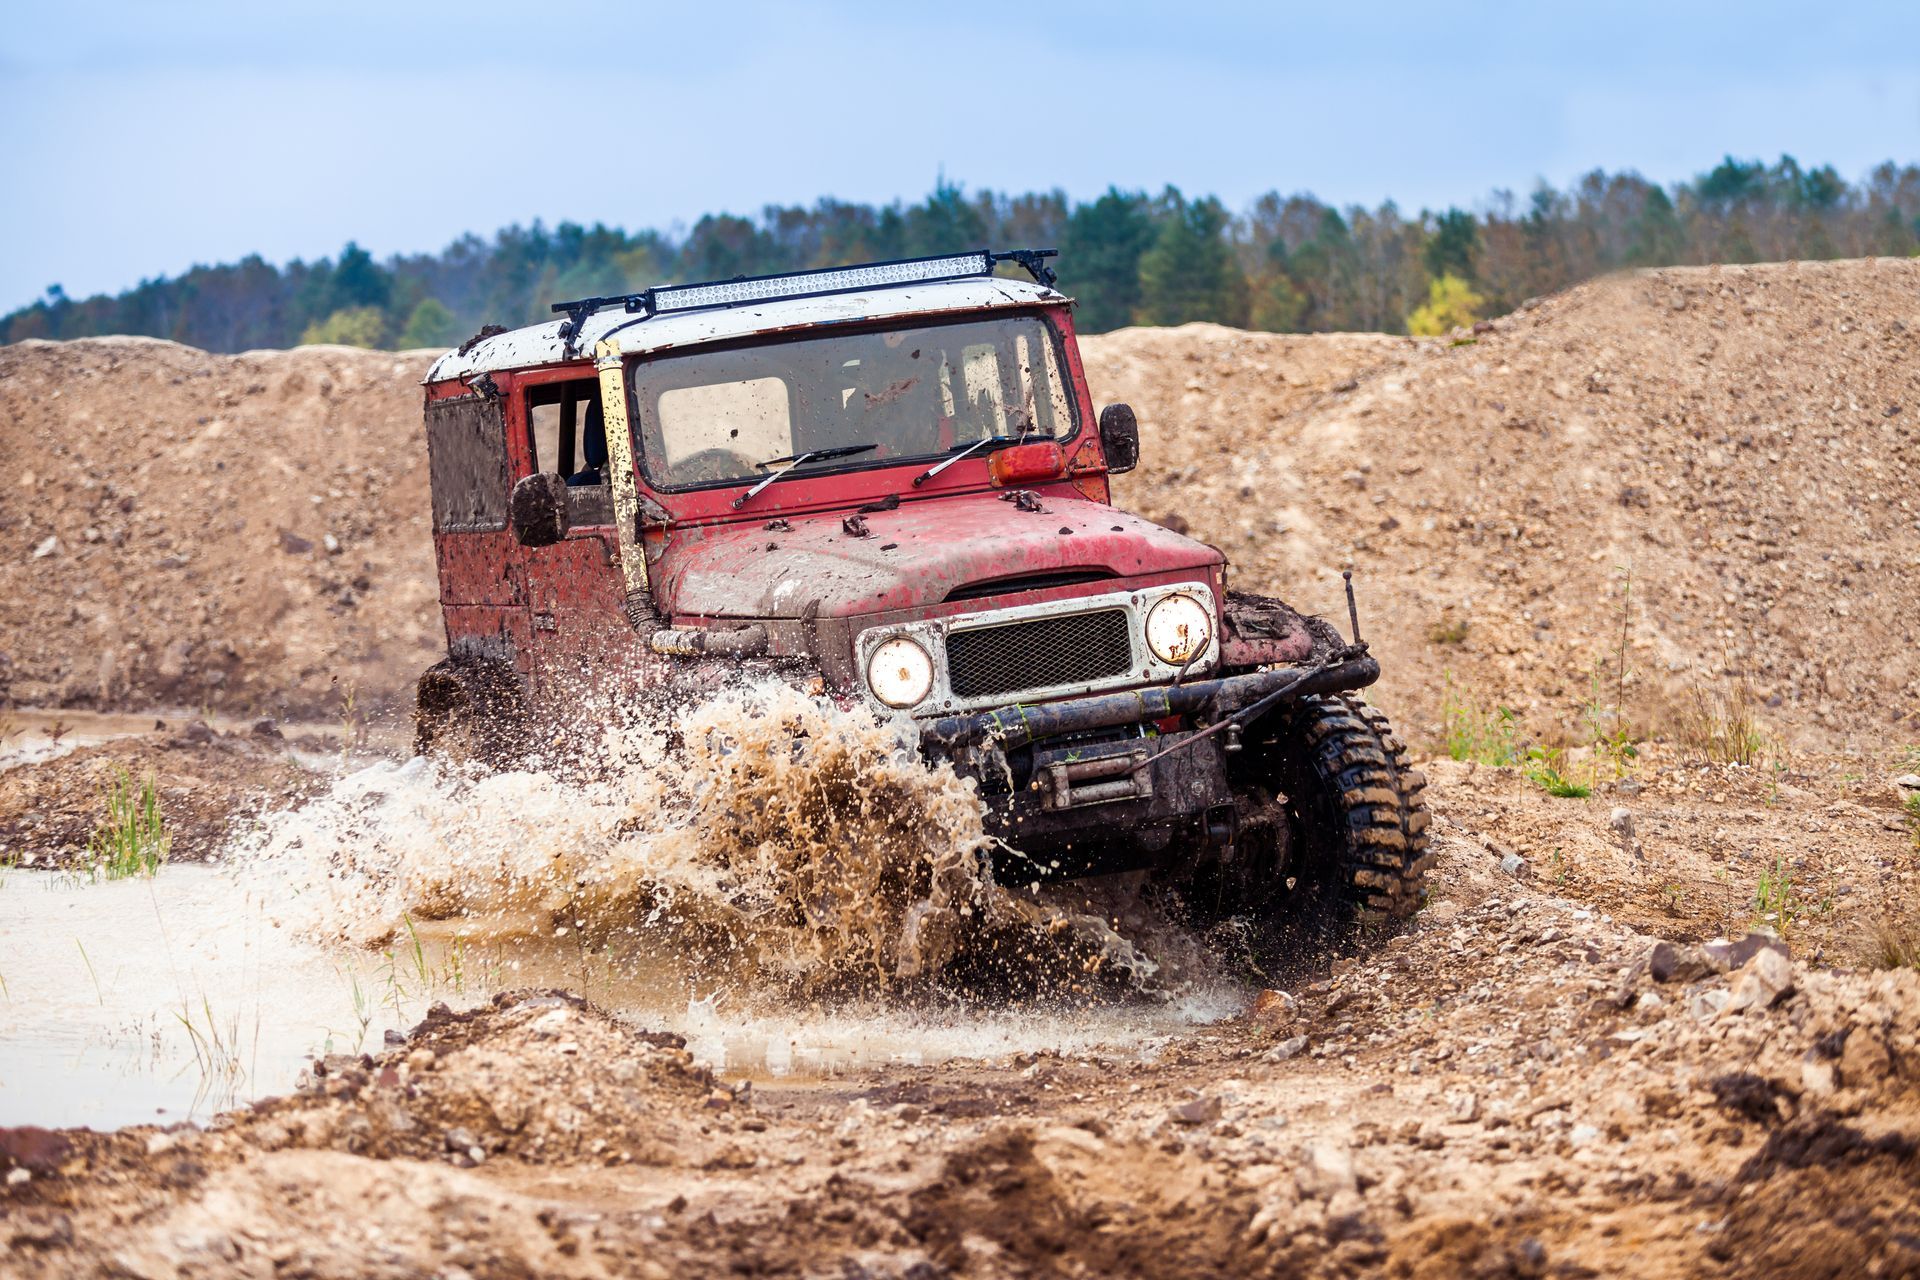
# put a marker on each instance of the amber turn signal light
(1022, 463)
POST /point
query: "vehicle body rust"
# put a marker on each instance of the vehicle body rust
(962, 569)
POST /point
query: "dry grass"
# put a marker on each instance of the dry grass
(1721, 723)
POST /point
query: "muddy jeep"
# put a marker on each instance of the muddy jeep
(889, 482)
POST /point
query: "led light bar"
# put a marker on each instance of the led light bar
(800, 284)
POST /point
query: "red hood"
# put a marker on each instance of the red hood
(911, 556)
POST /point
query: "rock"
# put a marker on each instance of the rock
(1463, 1107)
(1671, 962)
(1583, 1135)
(1326, 1170)
(1291, 1047)
(1648, 1001)
(1727, 956)
(19, 1177)
(1198, 1111)
(1762, 982)
(158, 1144)
(1816, 1075)
(1514, 865)
(31, 1147)
(421, 1059)
(394, 1039)
(1863, 1059)
(1707, 1004)
(293, 544)
(266, 729)
(44, 1233)
(461, 1140)
(1621, 820)
(1272, 1010)
(1908, 782)
(331, 543)
(1337, 1001)
(718, 1100)
(47, 548)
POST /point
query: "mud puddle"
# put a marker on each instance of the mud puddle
(793, 891)
(152, 1000)
(173, 998)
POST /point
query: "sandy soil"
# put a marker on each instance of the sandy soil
(1576, 1061)
(1742, 442)
(1547, 1074)
(243, 533)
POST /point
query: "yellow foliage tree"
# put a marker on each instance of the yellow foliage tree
(1451, 304)
(352, 327)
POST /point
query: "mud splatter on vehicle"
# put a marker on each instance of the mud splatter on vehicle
(889, 482)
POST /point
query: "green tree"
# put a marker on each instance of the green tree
(358, 281)
(1191, 273)
(1279, 304)
(1657, 237)
(352, 327)
(1100, 258)
(1450, 249)
(1451, 304)
(430, 325)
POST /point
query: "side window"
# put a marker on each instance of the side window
(568, 437)
(467, 464)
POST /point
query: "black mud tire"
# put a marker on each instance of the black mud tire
(468, 713)
(1356, 815)
(1332, 847)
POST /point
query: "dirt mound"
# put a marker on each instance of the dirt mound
(1744, 441)
(181, 529)
(1739, 443)
(207, 784)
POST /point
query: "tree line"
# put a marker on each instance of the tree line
(1288, 263)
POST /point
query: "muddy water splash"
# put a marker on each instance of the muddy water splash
(785, 883)
(764, 839)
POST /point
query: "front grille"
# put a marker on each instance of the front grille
(1041, 653)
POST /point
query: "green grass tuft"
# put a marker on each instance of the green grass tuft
(1546, 770)
(132, 840)
(1483, 735)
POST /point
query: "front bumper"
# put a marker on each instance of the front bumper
(1096, 775)
(1018, 725)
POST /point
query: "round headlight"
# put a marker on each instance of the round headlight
(1178, 629)
(900, 672)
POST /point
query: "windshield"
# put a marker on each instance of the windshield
(722, 416)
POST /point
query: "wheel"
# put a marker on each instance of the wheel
(1333, 824)
(467, 712)
(1356, 810)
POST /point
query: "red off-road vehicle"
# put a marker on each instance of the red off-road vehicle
(889, 480)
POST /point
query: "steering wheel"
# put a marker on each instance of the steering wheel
(713, 464)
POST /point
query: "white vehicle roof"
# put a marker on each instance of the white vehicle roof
(541, 344)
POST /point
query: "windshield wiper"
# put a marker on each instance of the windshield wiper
(796, 461)
(982, 443)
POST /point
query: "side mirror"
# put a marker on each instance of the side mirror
(1120, 437)
(538, 510)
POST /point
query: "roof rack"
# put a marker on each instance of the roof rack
(743, 290)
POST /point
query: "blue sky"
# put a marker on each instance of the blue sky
(141, 138)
